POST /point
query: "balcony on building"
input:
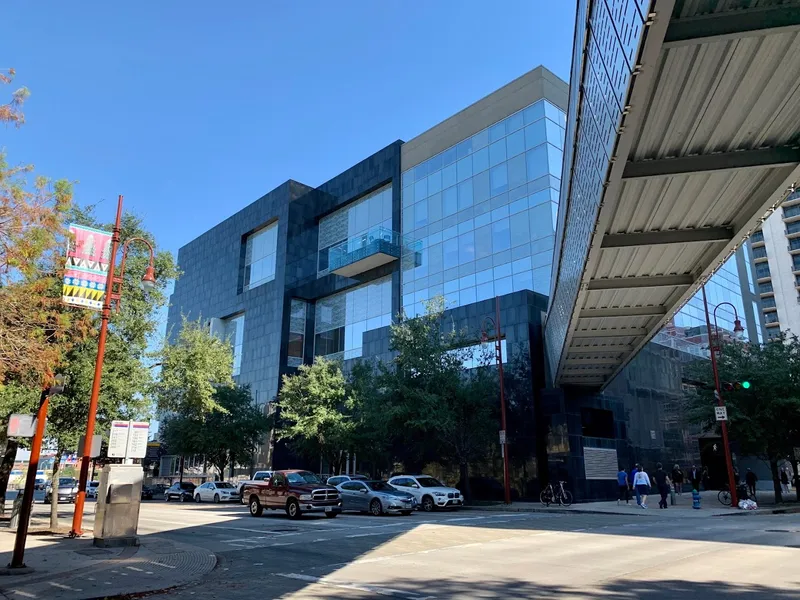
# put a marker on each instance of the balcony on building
(370, 250)
(759, 254)
(757, 239)
(793, 229)
(791, 213)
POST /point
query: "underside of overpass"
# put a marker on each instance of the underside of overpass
(683, 134)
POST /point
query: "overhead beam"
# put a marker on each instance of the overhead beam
(626, 283)
(607, 349)
(675, 236)
(722, 161)
(595, 333)
(732, 25)
(572, 362)
(623, 312)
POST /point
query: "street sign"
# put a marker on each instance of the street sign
(502, 436)
(21, 426)
(97, 442)
(721, 413)
(118, 440)
(137, 439)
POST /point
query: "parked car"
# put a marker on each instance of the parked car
(180, 490)
(376, 497)
(216, 491)
(159, 489)
(40, 484)
(147, 492)
(429, 492)
(335, 480)
(67, 490)
(296, 492)
(91, 489)
(258, 476)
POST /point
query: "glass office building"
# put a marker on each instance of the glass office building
(484, 211)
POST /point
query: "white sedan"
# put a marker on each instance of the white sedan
(216, 491)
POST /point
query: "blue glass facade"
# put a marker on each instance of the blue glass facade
(484, 212)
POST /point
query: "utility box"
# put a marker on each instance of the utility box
(119, 497)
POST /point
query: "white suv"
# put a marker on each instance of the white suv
(429, 492)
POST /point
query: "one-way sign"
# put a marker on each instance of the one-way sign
(721, 413)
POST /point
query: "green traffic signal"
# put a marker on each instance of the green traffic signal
(746, 385)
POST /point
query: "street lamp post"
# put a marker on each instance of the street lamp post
(148, 283)
(17, 558)
(498, 354)
(738, 330)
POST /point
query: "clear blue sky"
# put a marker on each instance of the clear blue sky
(193, 110)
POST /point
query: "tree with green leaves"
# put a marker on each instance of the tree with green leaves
(438, 409)
(224, 437)
(192, 369)
(764, 419)
(315, 412)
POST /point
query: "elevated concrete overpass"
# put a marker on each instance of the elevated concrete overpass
(683, 133)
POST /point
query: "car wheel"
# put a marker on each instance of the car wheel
(183, 497)
(216, 498)
(293, 509)
(46, 500)
(197, 498)
(427, 504)
(166, 497)
(256, 510)
(375, 507)
(405, 513)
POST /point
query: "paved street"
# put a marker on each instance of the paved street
(484, 555)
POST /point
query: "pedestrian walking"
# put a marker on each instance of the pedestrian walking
(642, 485)
(784, 481)
(634, 471)
(624, 490)
(694, 477)
(750, 479)
(677, 479)
(706, 479)
(662, 483)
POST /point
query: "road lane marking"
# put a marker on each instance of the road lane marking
(347, 585)
(135, 569)
(61, 586)
(24, 594)
(163, 565)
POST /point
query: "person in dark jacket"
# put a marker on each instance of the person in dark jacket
(750, 479)
(662, 483)
(631, 480)
(694, 477)
(784, 481)
(677, 478)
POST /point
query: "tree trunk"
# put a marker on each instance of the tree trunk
(54, 492)
(794, 470)
(776, 479)
(6, 466)
(467, 491)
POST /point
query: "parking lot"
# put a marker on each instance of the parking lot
(475, 554)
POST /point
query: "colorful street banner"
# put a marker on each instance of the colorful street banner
(86, 270)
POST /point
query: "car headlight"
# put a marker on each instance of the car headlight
(439, 494)
(305, 497)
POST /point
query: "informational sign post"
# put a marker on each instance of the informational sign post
(94, 451)
(137, 439)
(22, 426)
(721, 413)
(128, 439)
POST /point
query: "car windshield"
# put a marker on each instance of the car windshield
(66, 481)
(379, 486)
(186, 485)
(302, 477)
(223, 485)
(429, 482)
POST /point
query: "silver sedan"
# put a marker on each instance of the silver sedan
(375, 497)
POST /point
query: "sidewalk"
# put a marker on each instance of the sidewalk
(63, 569)
(682, 508)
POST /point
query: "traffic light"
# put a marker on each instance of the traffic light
(736, 386)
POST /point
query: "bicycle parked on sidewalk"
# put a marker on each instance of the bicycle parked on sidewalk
(724, 495)
(556, 495)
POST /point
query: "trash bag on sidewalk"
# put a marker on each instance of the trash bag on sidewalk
(747, 505)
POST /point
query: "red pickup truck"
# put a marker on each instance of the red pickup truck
(296, 492)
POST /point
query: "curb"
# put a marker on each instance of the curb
(589, 511)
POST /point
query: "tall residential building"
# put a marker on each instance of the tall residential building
(776, 259)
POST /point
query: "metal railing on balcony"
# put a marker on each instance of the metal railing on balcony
(369, 250)
(791, 211)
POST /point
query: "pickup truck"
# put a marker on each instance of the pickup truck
(296, 492)
(259, 476)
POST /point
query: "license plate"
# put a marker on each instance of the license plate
(328, 509)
